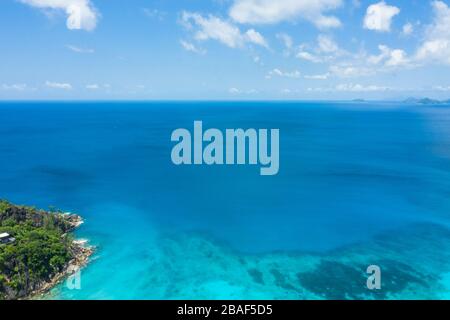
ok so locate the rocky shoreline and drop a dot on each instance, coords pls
(81, 254)
(41, 250)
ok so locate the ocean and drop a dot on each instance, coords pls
(359, 184)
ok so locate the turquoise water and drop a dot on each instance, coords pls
(359, 184)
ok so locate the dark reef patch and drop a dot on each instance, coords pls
(282, 281)
(256, 275)
(335, 280)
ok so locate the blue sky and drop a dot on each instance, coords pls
(224, 49)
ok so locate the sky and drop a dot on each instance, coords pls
(224, 49)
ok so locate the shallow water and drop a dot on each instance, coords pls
(348, 173)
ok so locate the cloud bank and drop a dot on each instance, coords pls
(271, 12)
(215, 28)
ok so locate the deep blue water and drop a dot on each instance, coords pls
(348, 171)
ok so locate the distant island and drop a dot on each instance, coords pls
(37, 250)
(427, 101)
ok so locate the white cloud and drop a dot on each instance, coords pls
(79, 50)
(379, 16)
(255, 37)
(189, 46)
(350, 87)
(397, 58)
(360, 88)
(287, 42)
(58, 85)
(326, 44)
(212, 27)
(325, 50)
(361, 64)
(436, 45)
(324, 76)
(442, 88)
(348, 71)
(436, 49)
(236, 91)
(81, 14)
(270, 11)
(305, 55)
(95, 86)
(154, 13)
(346, 64)
(286, 39)
(14, 87)
(279, 73)
(407, 29)
(390, 57)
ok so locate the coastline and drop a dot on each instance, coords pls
(81, 254)
(38, 250)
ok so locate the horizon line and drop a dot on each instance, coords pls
(360, 100)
